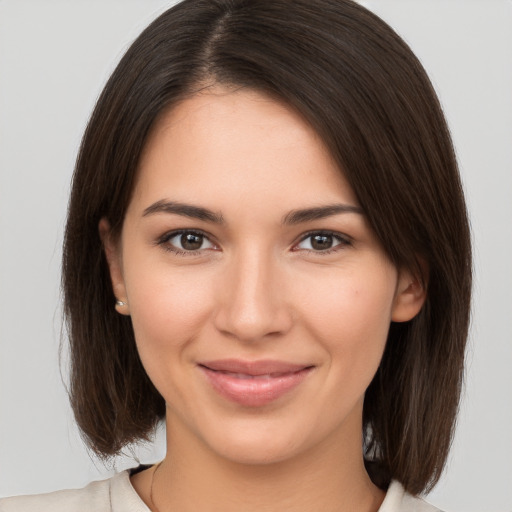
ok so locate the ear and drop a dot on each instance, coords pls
(114, 260)
(410, 295)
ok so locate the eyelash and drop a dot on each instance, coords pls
(344, 241)
(163, 241)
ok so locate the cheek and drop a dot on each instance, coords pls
(168, 306)
(351, 320)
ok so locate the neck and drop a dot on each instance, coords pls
(330, 477)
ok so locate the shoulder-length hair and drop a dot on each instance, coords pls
(364, 92)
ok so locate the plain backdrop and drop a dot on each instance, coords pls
(55, 55)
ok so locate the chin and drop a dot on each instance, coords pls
(260, 444)
(257, 454)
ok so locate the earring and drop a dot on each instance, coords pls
(121, 303)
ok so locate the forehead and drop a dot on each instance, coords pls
(225, 144)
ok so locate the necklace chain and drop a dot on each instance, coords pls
(153, 506)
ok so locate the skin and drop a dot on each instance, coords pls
(256, 289)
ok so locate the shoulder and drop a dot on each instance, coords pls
(111, 495)
(397, 500)
(93, 497)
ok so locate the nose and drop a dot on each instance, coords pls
(251, 301)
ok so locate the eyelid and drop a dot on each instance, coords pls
(169, 235)
(344, 240)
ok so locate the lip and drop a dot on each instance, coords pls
(253, 383)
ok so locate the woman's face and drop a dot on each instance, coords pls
(259, 295)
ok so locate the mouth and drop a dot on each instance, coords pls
(254, 383)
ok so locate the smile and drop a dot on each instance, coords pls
(253, 384)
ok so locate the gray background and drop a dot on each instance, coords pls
(54, 58)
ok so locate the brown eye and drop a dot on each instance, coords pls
(191, 241)
(323, 242)
(186, 241)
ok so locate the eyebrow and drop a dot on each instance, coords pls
(187, 210)
(291, 218)
(319, 212)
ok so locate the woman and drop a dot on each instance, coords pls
(267, 246)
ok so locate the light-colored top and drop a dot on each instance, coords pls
(118, 495)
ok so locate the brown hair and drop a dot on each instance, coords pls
(365, 93)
